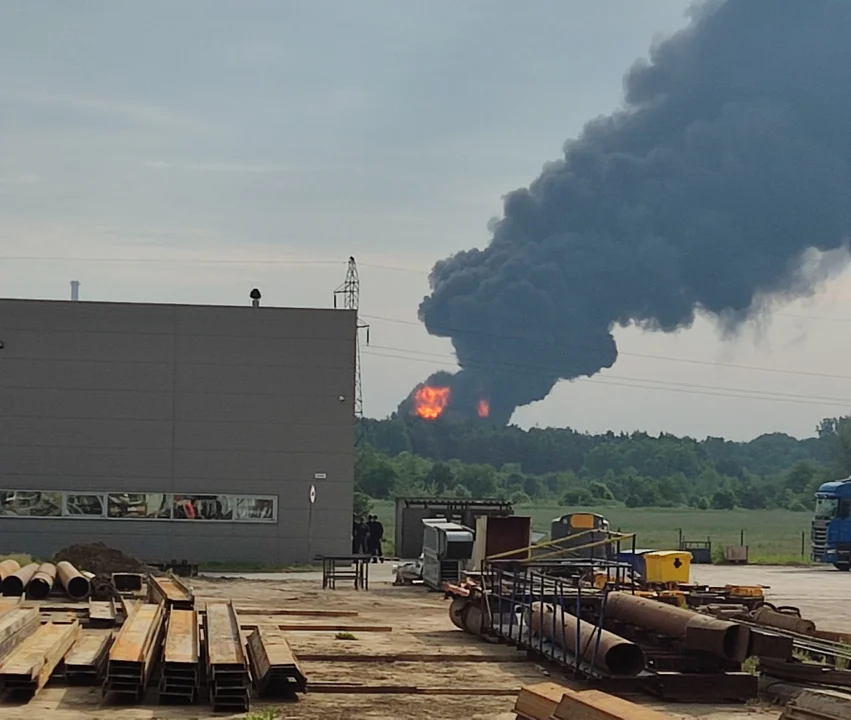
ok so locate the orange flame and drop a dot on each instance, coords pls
(484, 408)
(430, 402)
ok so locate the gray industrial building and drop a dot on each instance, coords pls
(176, 431)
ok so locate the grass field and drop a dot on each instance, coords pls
(773, 536)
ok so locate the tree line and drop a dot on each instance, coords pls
(408, 456)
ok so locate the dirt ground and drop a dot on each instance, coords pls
(446, 657)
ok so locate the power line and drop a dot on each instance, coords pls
(646, 356)
(659, 385)
(171, 261)
(546, 372)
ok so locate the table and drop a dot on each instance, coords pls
(354, 568)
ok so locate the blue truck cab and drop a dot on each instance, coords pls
(830, 537)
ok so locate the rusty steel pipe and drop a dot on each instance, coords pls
(8, 567)
(41, 584)
(785, 621)
(700, 632)
(613, 654)
(74, 582)
(15, 583)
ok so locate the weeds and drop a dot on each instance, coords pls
(345, 636)
(264, 714)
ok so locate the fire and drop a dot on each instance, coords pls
(484, 408)
(430, 402)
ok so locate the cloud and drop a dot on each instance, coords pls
(217, 167)
(28, 178)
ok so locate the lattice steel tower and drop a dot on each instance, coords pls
(349, 292)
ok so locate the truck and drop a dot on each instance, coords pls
(830, 534)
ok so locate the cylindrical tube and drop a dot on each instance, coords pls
(606, 650)
(15, 583)
(700, 632)
(41, 584)
(785, 621)
(74, 582)
(8, 567)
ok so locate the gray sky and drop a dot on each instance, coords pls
(280, 137)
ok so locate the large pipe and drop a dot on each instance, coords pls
(785, 621)
(700, 632)
(41, 584)
(74, 582)
(8, 567)
(608, 652)
(15, 583)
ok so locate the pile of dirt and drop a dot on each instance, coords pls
(99, 559)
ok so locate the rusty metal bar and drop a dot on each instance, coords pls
(784, 621)
(75, 584)
(614, 655)
(134, 654)
(171, 591)
(102, 613)
(29, 666)
(86, 661)
(699, 632)
(181, 671)
(41, 583)
(227, 668)
(274, 666)
(596, 704)
(15, 583)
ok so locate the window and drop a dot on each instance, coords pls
(139, 506)
(203, 507)
(27, 503)
(826, 507)
(84, 505)
(255, 508)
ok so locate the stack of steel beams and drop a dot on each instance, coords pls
(29, 666)
(134, 653)
(181, 670)
(86, 661)
(172, 592)
(274, 666)
(227, 668)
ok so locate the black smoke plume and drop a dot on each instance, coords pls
(727, 166)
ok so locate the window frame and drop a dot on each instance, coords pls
(104, 495)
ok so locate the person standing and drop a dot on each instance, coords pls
(376, 535)
(362, 538)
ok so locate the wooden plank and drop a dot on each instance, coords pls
(324, 627)
(17, 625)
(296, 612)
(444, 657)
(358, 689)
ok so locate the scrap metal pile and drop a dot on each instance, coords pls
(147, 639)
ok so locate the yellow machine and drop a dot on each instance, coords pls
(667, 567)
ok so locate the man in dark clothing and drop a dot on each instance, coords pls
(361, 538)
(376, 535)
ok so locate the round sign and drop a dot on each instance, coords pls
(312, 494)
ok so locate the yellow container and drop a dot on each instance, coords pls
(667, 566)
(744, 590)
